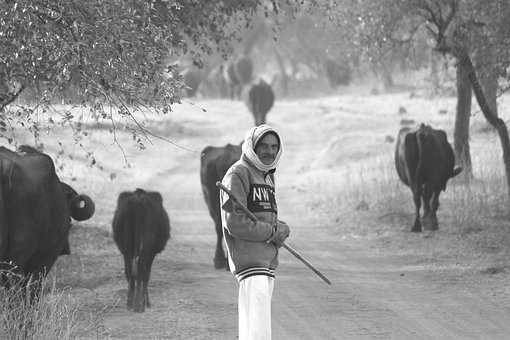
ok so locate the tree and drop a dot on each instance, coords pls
(464, 29)
(111, 52)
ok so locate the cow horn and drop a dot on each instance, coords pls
(82, 207)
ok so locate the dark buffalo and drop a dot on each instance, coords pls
(337, 73)
(35, 214)
(214, 84)
(425, 162)
(214, 163)
(141, 229)
(239, 73)
(260, 101)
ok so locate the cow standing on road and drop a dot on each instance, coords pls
(260, 101)
(141, 229)
(214, 163)
(35, 214)
(425, 162)
(238, 73)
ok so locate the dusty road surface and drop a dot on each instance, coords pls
(375, 294)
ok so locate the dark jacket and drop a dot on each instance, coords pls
(248, 252)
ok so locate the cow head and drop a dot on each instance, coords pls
(81, 207)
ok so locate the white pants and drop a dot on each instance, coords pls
(254, 306)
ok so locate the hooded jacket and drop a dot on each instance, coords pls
(252, 182)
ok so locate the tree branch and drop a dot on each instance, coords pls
(4, 101)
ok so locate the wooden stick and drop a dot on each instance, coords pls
(286, 246)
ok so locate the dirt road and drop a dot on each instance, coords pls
(374, 294)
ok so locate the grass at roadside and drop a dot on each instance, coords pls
(366, 200)
(58, 314)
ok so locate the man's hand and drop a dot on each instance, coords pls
(281, 233)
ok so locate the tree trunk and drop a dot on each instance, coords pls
(434, 73)
(489, 82)
(283, 73)
(484, 62)
(461, 132)
(387, 78)
(491, 116)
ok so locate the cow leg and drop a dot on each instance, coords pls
(127, 267)
(139, 298)
(220, 260)
(35, 272)
(417, 204)
(147, 277)
(31, 282)
(435, 205)
(128, 262)
(131, 293)
(427, 195)
(34, 285)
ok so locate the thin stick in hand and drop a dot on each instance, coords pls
(289, 248)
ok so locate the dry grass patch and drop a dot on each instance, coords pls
(365, 199)
(57, 314)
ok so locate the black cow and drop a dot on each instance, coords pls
(35, 214)
(260, 101)
(214, 84)
(214, 163)
(141, 229)
(239, 73)
(425, 162)
(336, 73)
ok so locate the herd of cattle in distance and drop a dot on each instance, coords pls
(232, 78)
(36, 208)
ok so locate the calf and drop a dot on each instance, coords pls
(141, 229)
(425, 162)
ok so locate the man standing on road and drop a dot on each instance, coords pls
(252, 246)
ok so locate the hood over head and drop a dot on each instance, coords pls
(253, 136)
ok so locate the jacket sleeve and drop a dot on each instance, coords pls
(238, 224)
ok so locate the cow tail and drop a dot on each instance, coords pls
(133, 234)
(137, 241)
(3, 220)
(420, 157)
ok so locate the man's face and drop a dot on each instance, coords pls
(267, 148)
